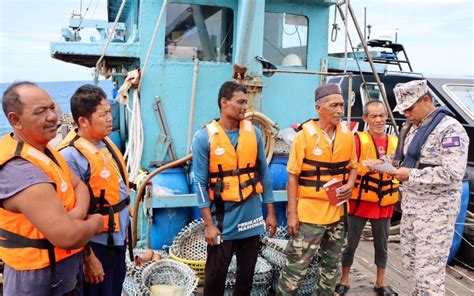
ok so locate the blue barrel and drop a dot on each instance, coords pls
(195, 211)
(168, 222)
(460, 220)
(278, 172)
(115, 138)
(279, 176)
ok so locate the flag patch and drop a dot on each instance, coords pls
(449, 142)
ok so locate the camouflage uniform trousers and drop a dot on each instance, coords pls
(425, 241)
(300, 251)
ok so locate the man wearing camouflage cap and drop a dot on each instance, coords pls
(431, 157)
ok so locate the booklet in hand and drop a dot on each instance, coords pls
(332, 188)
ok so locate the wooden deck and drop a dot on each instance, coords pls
(459, 281)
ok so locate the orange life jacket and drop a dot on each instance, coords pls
(380, 188)
(323, 161)
(233, 174)
(104, 179)
(22, 245)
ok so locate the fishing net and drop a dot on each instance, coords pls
(190, 247)
(274, 252)
(167, 272)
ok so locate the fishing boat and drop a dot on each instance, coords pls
(170, 57)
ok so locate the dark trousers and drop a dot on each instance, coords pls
(217, 264)
(114, 277)
(380, 231)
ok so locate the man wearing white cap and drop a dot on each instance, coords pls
(431, 157)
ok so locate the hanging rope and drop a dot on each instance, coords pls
(106, 46)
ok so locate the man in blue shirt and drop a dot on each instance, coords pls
(98, 162)
(231, 171)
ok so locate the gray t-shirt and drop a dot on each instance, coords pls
(15, 176)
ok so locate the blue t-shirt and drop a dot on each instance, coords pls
(80, 165)
(245, 220)
(15, 176)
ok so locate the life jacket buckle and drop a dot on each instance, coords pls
(56, 283)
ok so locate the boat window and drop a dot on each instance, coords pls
(370, 91)
(462, 95)
(201, 31)
(285, 39)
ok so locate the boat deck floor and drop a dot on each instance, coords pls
(459, 281)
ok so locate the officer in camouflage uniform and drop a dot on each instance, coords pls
(321, 151)
(432, 157)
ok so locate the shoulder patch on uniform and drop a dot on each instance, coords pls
(449, 142)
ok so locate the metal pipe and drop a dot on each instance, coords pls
(346, 35)
(365, 23)
(111, 34)
(203, 33)
(308, 72)
(192, 104)
(244, 31)
(372, 65)
(349, 101)
(164, 127)
(355, 58)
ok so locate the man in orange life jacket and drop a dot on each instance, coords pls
(321, 151)
(231, 172)
(99, 163)
(43, 205)
(372, 198)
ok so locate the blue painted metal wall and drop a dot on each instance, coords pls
(287, 98)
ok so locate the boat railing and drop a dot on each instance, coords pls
(104, 28)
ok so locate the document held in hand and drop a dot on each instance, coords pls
(384, 168)
(332, 188)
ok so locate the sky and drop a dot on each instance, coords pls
(437, 34)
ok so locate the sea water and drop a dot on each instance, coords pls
(60, 91)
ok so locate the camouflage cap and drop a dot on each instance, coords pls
(408, 93)
(326, 90)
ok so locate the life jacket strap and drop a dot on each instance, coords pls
(13, 240)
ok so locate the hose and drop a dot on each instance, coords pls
(269, 130)
(141, 190)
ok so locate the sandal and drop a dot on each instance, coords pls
(341, 289)
(385, 291)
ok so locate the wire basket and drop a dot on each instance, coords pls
(132, 279)
(274, 252)
(167, 272)
(190, 247)
(262, 277)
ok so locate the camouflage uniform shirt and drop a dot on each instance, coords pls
(437, 189)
